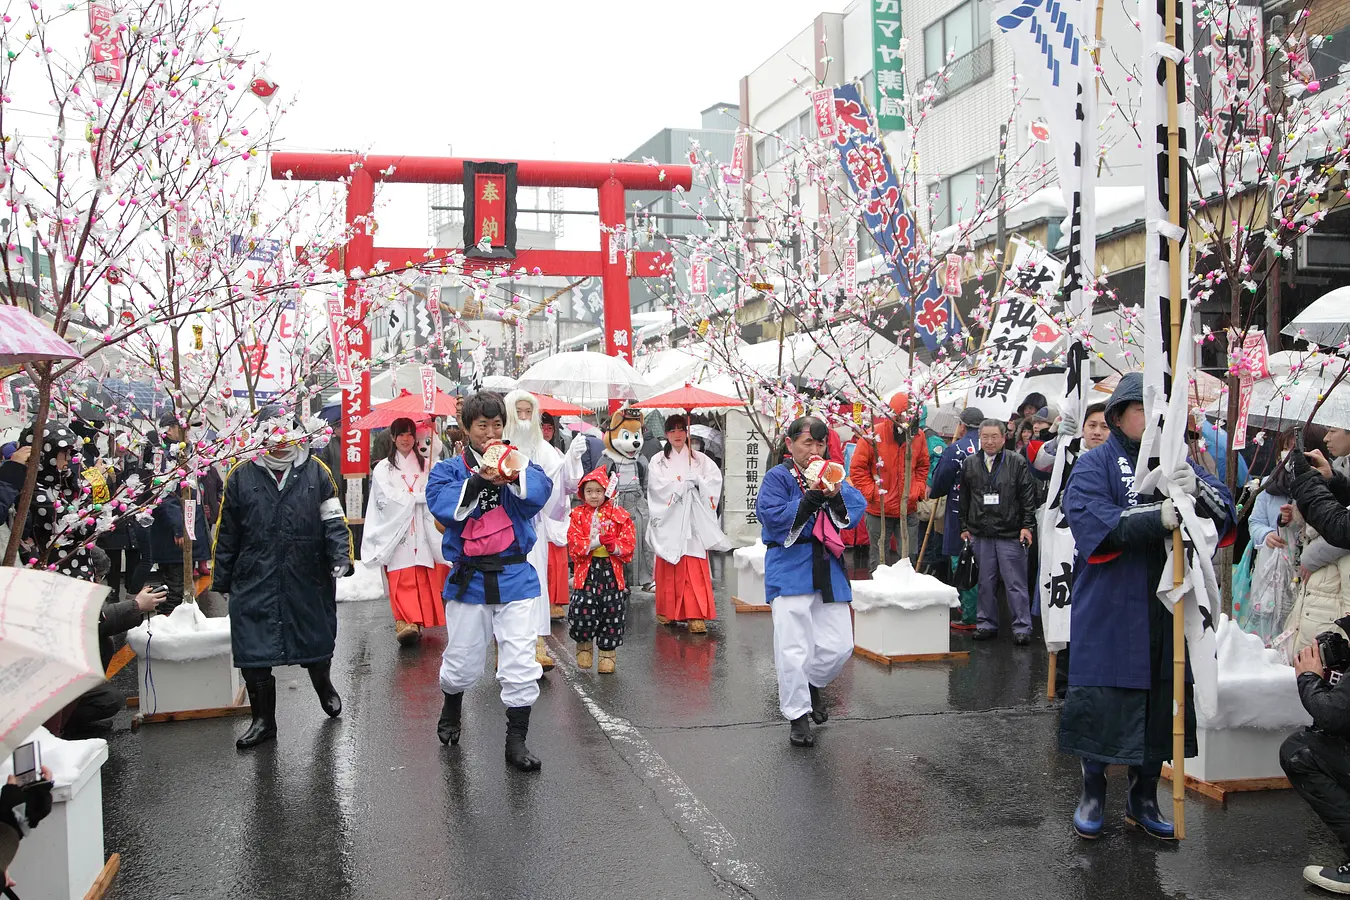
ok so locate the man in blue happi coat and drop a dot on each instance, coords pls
(805, 581)
(1118, 707)
(489, 529)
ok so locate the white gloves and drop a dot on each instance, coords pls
(1068, 421)
(1184, 478)
(1170, 520)
(577, 449)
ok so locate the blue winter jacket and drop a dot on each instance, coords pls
(788, 563)
(522, 500)
(947, 483)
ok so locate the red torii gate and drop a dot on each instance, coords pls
(609, 180)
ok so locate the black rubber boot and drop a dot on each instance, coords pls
(323, 686)
(801, 735)
(447, 729)
(262, 696)
(1088, 817)
(820, 713)
(1141, 804)
(517, 727)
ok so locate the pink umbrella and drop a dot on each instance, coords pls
(25, 338)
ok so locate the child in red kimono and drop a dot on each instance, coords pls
(600, 540)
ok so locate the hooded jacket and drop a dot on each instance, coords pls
(864, 472)
(618, 538)
(1122, 553)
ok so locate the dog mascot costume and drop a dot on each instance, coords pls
(620, 454)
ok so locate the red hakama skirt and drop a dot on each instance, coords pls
(415, 594)
(559, 586)
(684, 590)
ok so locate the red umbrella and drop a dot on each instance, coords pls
(688, 398)
(409, 406)
(556, 407)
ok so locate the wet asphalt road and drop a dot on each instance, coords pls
(671, 779)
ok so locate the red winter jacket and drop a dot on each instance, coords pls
(863, 473)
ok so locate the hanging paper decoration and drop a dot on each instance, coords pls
(850, 279)
(197, 336)
(428, 389)
(263, 87)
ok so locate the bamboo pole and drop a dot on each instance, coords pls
(923, 548)
(1175, 217)
(1053, 671)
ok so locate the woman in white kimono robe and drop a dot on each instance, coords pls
(523, 432)
(683, 490)
(400, 534)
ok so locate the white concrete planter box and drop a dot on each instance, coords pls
(1237, 754)
(895, 631)
(750, 586)
(63, 856)
(168, 686)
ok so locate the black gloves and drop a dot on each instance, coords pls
(36, 799)
(477, 485)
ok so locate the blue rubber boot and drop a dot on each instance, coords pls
(1091, 811)
(1141, 804)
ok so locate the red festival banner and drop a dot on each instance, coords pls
(109, 62)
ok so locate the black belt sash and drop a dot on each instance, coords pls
(820, 567)
(491, 566)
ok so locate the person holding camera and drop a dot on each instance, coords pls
(22, 807)
(1317, 759)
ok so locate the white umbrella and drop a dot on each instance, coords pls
(1325, 322)
(1284, 401)
(500, 383)
(48, 648)
(585, 377)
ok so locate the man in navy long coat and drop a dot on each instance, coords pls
(281, 543)
(1118, 708)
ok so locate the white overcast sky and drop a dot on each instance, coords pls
(529, 79)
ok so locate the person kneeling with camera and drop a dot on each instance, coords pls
(1317, 759)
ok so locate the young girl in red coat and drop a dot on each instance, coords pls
(600, 540)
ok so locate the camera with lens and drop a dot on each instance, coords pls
(1335, 650)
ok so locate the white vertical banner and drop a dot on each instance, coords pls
(1051, 46)
(1163, 449)
(428, 389)
(747, 458)
(850, 273)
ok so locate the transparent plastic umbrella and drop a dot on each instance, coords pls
(585, 377)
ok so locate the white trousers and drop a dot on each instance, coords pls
(811, 642)
(538, 558)
(470, 627)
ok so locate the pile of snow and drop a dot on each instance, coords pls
(751, 557)
(1256, 688)
(900, 586)
(365, 583)
(66, 759)
(184, 634)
